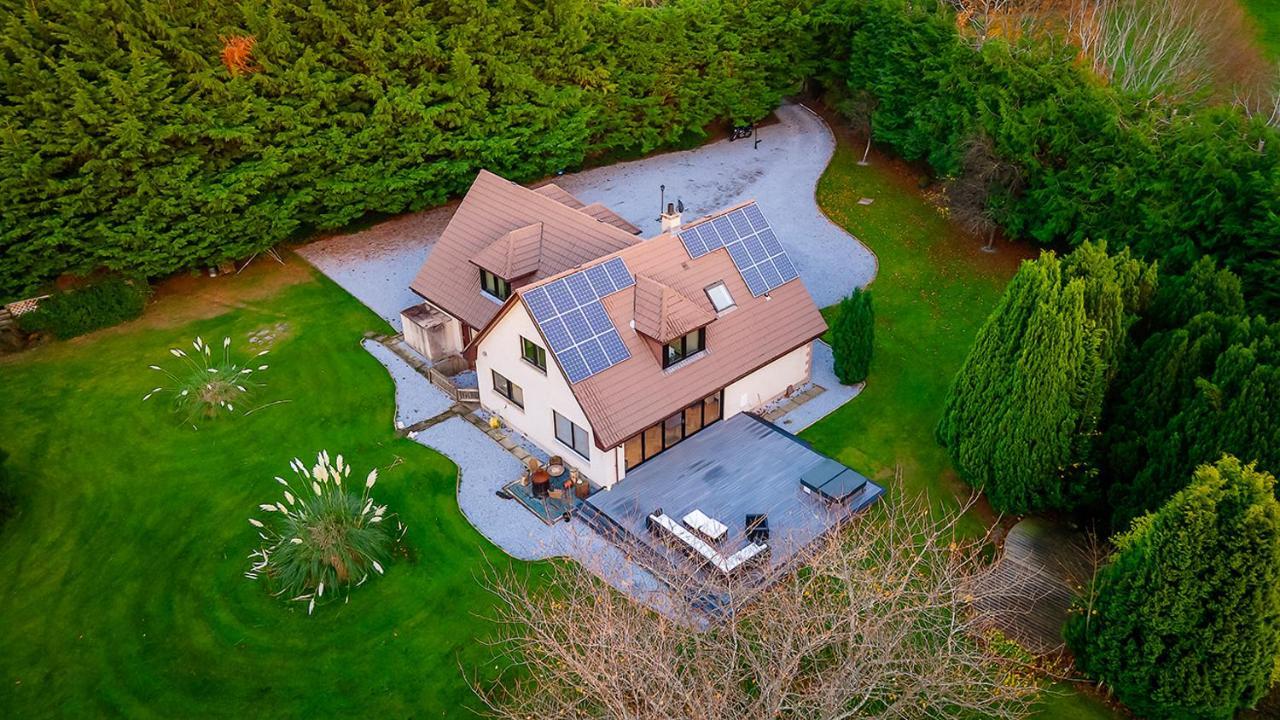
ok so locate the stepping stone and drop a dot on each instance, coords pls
(866, 201)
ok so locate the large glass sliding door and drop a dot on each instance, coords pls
(673, 430)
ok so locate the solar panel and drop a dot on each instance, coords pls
(574, 321)
(754, 248)
(539, 304)
(619, 274)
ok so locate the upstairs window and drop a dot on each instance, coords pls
(684, 347)
(533, 353)
(494, 285)
(720, 298)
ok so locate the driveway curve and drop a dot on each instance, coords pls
(780, 174)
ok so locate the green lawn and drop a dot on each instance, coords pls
(123, 592)
(1267, 14)
(933, 291)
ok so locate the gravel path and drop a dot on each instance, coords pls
(416, 398)
(377, 264)
(824, 374)
(485, 467)
(781, 176)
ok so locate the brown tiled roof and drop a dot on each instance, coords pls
(604, 214)
(663, 313)
(492, 208)
(516, 254)
(560, 195)
(635, 393)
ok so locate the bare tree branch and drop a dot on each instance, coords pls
(878, 620)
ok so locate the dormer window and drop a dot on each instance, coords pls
(495, 286)
(720, 298)
(683, 347)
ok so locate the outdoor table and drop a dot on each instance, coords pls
(707, 527)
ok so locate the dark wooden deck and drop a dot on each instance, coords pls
(1031, 586)
(736, 467)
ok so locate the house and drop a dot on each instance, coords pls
(604, 348)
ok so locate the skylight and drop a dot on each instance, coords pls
(720, 297)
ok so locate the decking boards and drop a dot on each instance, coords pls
(736, 467)
(1032, 585)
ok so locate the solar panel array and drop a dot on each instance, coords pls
(574, 321)
(754, 248)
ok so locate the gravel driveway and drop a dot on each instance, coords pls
(377, 264)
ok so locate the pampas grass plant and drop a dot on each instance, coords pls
(208, 385)
(324, 537)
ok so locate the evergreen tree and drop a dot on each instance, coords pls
(853, 337)
(1022, 414)
(1204, 381)
(1184, 621)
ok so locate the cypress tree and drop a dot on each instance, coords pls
(1184, 622)
(1022, 414)
(853, 337)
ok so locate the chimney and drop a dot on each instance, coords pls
(670, 218)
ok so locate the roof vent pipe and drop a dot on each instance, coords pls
(670, 218)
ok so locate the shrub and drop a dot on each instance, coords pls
(1184, 622)
(853, 337)
(208, 385)
(95, 306)
(326, 537)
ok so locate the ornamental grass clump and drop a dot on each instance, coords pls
(208, 385)
(324, 537)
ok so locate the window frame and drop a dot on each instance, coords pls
(659, 429)
(683, 354)
(540, 353)
(720, 310)
(501, 288)
(572, 443)
(512, 390)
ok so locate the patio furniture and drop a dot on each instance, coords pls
(541, 483)
(832, 482)
(708, 527)
(699, 547)
(556, 493)
(757, 528)
(555, 466)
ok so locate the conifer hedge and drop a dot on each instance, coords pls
(126, 142)
(1174, 183)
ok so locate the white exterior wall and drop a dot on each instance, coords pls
(769, 382)
(500, 350)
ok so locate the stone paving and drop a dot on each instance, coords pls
(416, 398)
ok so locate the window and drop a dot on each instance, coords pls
(684, 347)
(508, 389)
(671, 431)
(533, 353)
(720, 298)
(494, 285)
(572, 435)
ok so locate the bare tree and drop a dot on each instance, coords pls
(1261, 100)
(877, 620)
(1151, 47)
(860, 110)
(984, 176)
